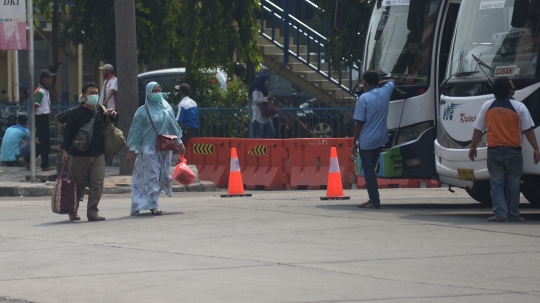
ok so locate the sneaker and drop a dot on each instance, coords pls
(48, 168)
(96, 217)
(24, 163)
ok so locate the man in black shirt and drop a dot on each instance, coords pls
(91, 162)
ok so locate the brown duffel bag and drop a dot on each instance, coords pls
(64, 197)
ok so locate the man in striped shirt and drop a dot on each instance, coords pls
(506, 121)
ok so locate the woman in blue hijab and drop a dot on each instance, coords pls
(261, 95)
(151, 173)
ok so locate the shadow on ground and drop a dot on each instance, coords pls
(457, 214)
(145, 215)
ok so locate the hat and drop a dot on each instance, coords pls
(107, 67)
(46, 73)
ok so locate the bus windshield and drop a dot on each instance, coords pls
(483, 29)
(393, 50)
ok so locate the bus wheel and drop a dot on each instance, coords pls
(480, 192)
(531, 189)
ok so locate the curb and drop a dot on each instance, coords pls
(42, 190)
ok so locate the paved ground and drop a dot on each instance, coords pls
(426, 245)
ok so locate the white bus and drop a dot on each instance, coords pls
(409, 41)
(492, 39)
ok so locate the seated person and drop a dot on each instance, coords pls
(13, 148)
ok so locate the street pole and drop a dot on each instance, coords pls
(126, 61)
(30, 12)
(15, 76)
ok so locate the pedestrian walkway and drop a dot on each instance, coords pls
(14, 181)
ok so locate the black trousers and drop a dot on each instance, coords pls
(43, 133)
(188, 133)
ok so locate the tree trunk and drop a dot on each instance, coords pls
(126, 51)
(250, 76)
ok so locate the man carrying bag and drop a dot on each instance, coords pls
(89, 163)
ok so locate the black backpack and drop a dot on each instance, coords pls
(83, 138)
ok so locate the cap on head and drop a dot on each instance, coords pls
(46, 73)
(184, 88)
(107, 67)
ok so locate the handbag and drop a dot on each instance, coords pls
(83, 138)
(164, 142)
(268, 109)
(64, 197)
(182, 173)
(114, 138)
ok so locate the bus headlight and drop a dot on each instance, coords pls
(412, 132)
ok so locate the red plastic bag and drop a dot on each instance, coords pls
(182, 174)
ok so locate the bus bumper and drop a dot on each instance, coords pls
(448, 161)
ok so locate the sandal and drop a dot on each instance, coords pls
(371, 206)
(156, 212)
(74, 217)
(517, 219)
(363, 205)
(496, 219)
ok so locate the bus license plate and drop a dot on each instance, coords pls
(466, 174)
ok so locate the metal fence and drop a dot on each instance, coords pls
(9, 112)
(230, 122)
(289, 122)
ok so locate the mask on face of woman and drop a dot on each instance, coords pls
(155, 97)
(92, 100)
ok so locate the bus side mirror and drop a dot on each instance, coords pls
(341, 12)
(415, 19)
(521, 11)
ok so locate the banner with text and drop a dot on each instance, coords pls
(13, 24)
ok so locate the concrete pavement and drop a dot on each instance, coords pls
(425, 245)
(14, 182)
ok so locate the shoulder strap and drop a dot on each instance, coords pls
(149, 117)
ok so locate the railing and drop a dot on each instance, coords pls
(289, 123)
(9, 112)
(304, 36)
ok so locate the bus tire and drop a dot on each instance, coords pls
(480, 192)
(531, 189)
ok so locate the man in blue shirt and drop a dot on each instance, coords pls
(12, 150)
(371, 131)
(188, 113)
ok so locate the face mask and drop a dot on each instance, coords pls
(92, 100)
(155, 97)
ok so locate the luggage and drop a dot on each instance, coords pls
(114, 138)
(64, 197)
(182, 173)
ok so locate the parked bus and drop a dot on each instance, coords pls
(409, 41)
(493, 39)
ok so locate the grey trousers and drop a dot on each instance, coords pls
(82, 168)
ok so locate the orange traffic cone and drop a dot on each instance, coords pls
(236, 186)
(334, 188)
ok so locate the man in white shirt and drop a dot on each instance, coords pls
(109, 96)
(42, 102)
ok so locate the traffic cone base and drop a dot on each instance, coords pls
(237, 195)
(236, 186)
(336, 198)
(334, 188)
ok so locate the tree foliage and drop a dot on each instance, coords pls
(191, 33)
(345, 48)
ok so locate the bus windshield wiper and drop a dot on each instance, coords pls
(457, 75)
(483, 64)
